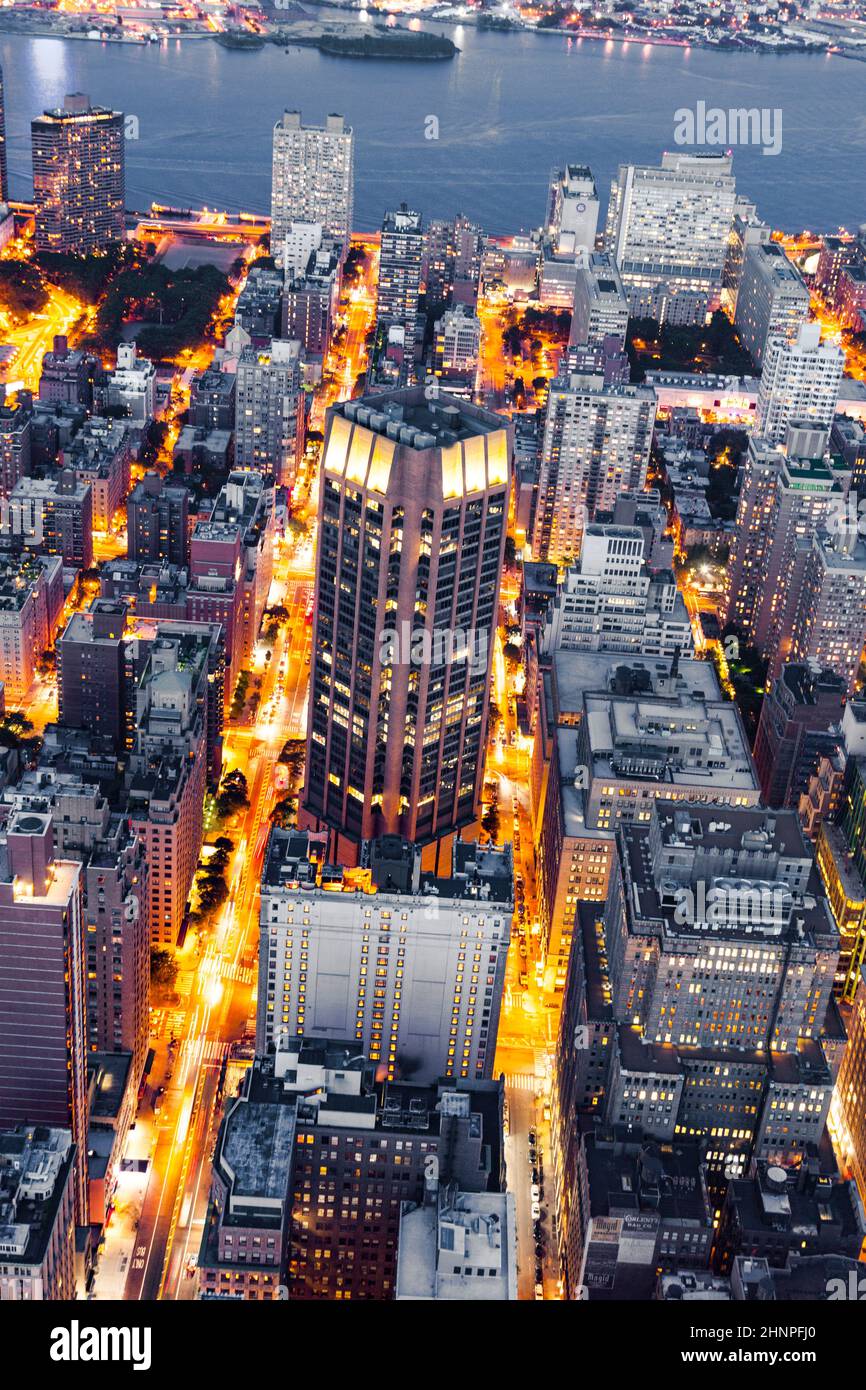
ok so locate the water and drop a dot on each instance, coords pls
(509, 107)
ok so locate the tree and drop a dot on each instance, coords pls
(285, 812)
(163, 968)
(233, 794)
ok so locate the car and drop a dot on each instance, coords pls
(536, 1212)
(536, 1174)
(533, 1134)
(524, 980)
(539, 1292)
(539, 1272)
(523, 952)
(539, 1249)
(536, 1191)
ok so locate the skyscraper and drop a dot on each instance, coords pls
(78, 177)
(313, 178)
(572, 209)
(799, 382)
(400, 260)
(772, 300)
(596, 444)
(412, 520)
(600, 305)
(269, 410)
(668, 230)
(4, 165)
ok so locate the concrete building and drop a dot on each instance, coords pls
(100, 455)
(412, 518)
(312, 265)
(611, 601)
(235, 545)
(212, 399)
(773, 300)
(313, 178)
(78, 177)
(67, 376)
(453, 255)
(53, 516)
(15, 443)
(132, 385)
(572, 209)
(258, 307)
(668, 231)
(800, 709)
(43, 1037)
(31, 602)
(37, 1214)
(851, 298)
(830, 626)
(410, 964)
(774, 1214)
(799, 382)
(600, 303)
(314, 1163)
(168, 769)
(157, 521)
(92, 672)
(836, 253)
(269, 413)
(747, 230)
(459, 1247)
(456, 350)
(596, 444)
(401, 256)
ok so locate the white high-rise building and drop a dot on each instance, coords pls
(799, 382)
(830, 628)
(611, 602)
(313, 178)
(299, 243)
(772, 301)
(596, 445)
(600, 303)
(668, 231)
(572, 209)
(456, 342)
(409, 965)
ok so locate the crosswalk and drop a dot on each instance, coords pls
(523, 1082)
(214, 1051)
(241, 974)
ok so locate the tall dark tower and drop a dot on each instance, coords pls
(4, 166)
(412, 520)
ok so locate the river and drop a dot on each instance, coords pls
(509, 107)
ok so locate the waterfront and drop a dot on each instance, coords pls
(508, 106)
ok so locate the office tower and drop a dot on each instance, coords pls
(799, 382)
(91, 672)
(773, 300)
(456, 350)
(400, 258)
(829, 629)
(313, 178)
(37, 1198)
(344, 1154)
(572, 209)
(747, 230)
(4, 164)
(235, 544)
(131, 387)
(157, 521)
(411, 964)
(43, 1043)
(453, 254)
(169, 766)
(53, 516)
(78, 177)
(800, 708)
(596, 444)
(67, 377)
(600, 304)
(668, 231)
(15, 444)
(100, 456)
(269, 411)
(212, 400)
(412, 521)
(611, 601)
(31, 602)
(458, 1245)
(704, 921)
